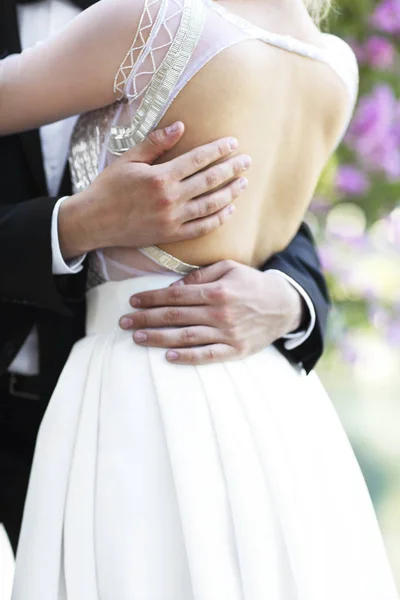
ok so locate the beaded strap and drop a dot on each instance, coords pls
(167, 260)
(156, 94)
(280, 40)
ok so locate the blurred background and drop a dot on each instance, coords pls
(356, 219)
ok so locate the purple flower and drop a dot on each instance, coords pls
(386, 16)
(374, 131)
(396, 124)
(351, 181)
(379, 52)
(374, 116)
(320, 206)
(387, 157)
(357, 48)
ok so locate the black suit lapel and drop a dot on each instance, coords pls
(30, 141)
(65, 185)
(9, 44)
(9, 36)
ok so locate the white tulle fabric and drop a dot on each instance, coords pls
(229, 482)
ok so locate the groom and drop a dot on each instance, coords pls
(42, 270)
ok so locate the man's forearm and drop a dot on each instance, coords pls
(26, 257)
(295, 310)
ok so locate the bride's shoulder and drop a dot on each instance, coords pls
(117, 13)
(108, 28)
(122, 19)
(343, 60)
(111, 19)
(341, 50)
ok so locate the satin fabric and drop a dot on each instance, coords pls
(156, 481)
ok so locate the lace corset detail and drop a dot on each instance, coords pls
(173, 41)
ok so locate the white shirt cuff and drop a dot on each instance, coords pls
(60, 267)
(294, 340)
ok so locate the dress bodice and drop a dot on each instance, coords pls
(173, 41)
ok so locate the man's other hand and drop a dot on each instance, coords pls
(222, 312)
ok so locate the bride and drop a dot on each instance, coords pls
(154, 481)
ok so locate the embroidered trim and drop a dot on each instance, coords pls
(135, 52)
(163, 82)
(160, 28)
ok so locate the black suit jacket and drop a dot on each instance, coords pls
(30, 294)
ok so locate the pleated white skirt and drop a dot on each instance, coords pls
(154, 481)
(6, 565)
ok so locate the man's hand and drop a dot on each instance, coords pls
(134, 203)
(218, 313)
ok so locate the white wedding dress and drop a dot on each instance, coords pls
(153, 481)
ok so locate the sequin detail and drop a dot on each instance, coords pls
(87, 145)
(94, 277)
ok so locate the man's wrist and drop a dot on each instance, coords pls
(60, 266)
(295, 309)
(297, 337)
(75, 227)
(286, 302)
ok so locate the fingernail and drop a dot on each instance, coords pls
(171, 355)
(140, 336)
(231, 209)
(243, 183)
(125, 323)
(233, 144)
(246, 162)
(172, 128)
(135, 302)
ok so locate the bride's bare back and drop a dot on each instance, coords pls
(287, 96)
(288, 113)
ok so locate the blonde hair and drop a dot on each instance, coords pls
(318, 9)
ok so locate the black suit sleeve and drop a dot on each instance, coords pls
(26, 257)
(300, 262)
